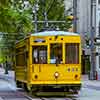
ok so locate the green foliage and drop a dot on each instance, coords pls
(4, 3)
(16, 19)
(13, 21)
(54, 9)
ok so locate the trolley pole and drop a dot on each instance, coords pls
(92, 36)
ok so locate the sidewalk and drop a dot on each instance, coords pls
(91, 83)
(9, 77)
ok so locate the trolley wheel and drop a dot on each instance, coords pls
(27, 87)
(18, 84)
(35, 88)
(76, 89)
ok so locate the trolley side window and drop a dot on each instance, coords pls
(20, 59)
(56, 53)
(39, 55)
(72, 53)
(20, 56)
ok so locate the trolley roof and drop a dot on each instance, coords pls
(54, 33)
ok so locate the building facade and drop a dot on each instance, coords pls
(84, 27)
(83, 19)
(68, 4)
(83, 14)
(81, 10)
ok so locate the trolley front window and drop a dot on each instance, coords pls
(56, 53)
(72, 53)
(39, 54)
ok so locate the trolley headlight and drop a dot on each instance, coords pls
(56, 74)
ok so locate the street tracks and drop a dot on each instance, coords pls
(21, 95)
(14, 95)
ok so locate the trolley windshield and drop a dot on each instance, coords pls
(39, 54)
(56, 53)
(72, 53)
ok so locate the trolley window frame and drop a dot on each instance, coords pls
(76, 47)
(38, 53)
(56, 59)
(21, 53)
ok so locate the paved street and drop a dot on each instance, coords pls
(89, 94)
(90, 89)
(5, 86)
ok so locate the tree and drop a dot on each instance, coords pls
(12, 20)
(54, 9)
(16, 18)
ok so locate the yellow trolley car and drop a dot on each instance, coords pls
(49, 59)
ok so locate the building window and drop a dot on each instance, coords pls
(98, 1)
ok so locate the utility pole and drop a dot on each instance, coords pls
(45, 14)
(45, 21)
(35, 9)
(92, 36)
(75, 15)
